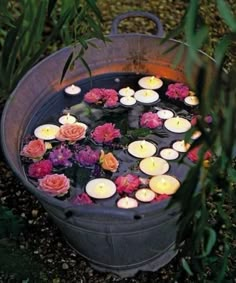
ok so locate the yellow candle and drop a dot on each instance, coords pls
(164, 184)
(145, 195)
(100, 188)
(169, 154)
(150, 82)
(46, 132)
(180, 146)
(127, 202)
(128, 100)
(191, 100)
(67, 119)
(127, 91)
(142, 149)
(154, 166)
(72, 90)
(177, 125)
(146, 96)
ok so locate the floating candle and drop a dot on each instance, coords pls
(146, 96)
(126, 91)
(127, 202)
(128, 100)
(191, 93)
(181, 146)
(154, 166)
(177, 125)
(169, 154)
(150, 82)
(67, 119)
(46, 132)
(164, 184)
(196, 135)
(100, 188)
(165, 114)
(72, 90)
(142, 149)
(145, 195)
(191, 100)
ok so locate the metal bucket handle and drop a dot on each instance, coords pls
(121, 17)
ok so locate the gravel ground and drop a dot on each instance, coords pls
(44, 254)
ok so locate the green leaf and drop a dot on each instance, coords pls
(67, 65)
(139, 132)
(51, 6)
(210, 241)
(227, 14)
(94, 8)
(221, 48)
(186, 267)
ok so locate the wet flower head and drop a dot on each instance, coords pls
(150, 120)
(177, 91)
(105, 133)
(60, 156)
(87, 156)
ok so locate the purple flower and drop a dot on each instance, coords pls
(61, 156)
(87, 156)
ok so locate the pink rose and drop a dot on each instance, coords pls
(34, 149)
(55, 185)
(150, 120)
(93, 96)
(193, 154)
(177, 91)
(71, 132)
(40, 169)
(105, 133)
(127, 183)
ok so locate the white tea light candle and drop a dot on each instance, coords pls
(72, 90)
(191, 100)
(150, 82)
(196, 135)
(67, 119)
(142, 149)
(164, 184)
(128, 100)
(146, 96)
(126, 91)
(165, 114)
(127, 202)
(154, 166)
(177, 125)
(100, 188)
(180, 146)
(145, 195)
(169, 154)
(46, 132)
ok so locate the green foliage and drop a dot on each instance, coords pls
(30, 28)
(207, 194)
(10, 225)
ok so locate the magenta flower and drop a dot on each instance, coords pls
(207, 119)
(107, 97)
(82, 199)
(40, 169)
(193, 154)
(87, 156)
(177, 91)
(162, 197)
(94, 95)
(105, 133)
(150, 120)
(127, 184)
(60, 156)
